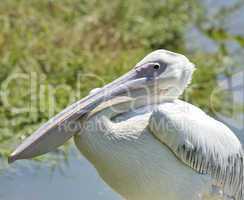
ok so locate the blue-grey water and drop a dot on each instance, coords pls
(76, 178)
(73, 180)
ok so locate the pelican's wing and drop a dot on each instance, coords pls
(202, 143)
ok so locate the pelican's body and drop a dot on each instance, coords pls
(143, 141)
(135, 163)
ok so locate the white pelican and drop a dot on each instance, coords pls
(143, 141)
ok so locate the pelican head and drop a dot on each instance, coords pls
(170, 73)
(161, 73)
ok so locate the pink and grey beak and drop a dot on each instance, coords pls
(63, 126)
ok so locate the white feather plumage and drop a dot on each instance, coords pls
(143, 162)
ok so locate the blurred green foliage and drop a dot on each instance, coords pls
(52, 52)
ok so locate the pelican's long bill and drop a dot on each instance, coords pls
(63, 126)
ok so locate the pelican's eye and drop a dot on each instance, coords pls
(156, 66)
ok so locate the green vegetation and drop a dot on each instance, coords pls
(53, 52)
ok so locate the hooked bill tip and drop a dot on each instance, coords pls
(12, 158)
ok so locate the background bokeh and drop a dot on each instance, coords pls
(53, 52)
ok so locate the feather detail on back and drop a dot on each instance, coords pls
(202, 143)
